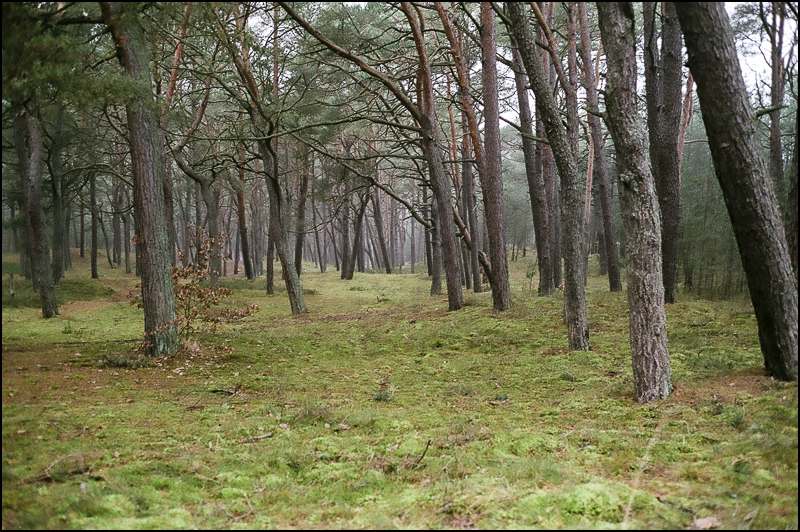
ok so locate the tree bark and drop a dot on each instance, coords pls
(436, 255)
(600, 167)
(536, 188)
(491, 178)
(663, 84)
(244, 238)
(93, 210)
(278, 234)
(29, 148)
(749, 194)
(572, 206)
(376, 209)
(300, 225)
(158, 296)
(791, 225)
(648, 322)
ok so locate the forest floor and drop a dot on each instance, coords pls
(380, 409)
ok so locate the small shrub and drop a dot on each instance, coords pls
(196, 301)
(384, 393)
(736, 418)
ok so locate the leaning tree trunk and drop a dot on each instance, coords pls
(158, 295)
(663, 94)
(572, 191)
(749, 194)
(648, 322)
(28, 144)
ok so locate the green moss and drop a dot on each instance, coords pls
(523, 432)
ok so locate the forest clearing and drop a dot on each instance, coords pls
(428, 265)
(290, 429)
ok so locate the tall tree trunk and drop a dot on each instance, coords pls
(536, 188)
(29, 147)
(321, 258)
(93, 209)
(648, 322)
(600, 167)
(376, 209)
(487, 154)
(158, 296)
(427, 212)
(468, 186)
(83, 229)
(436, 255)
(244, 238)
(791, 225)
(663, 84)
(278, 234)
(572, 207)
(775, 31)
(116, 228)
(169, 212)
(57, 181)
(358, 238)
(127, 241)
(345, 231)
(106, 241)
(300, 226)
(210, 194)
(413, 246)
(491, 179)
(749, 195)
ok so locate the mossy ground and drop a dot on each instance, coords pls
(324, 420)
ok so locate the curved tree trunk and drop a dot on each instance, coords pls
(749, 194)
